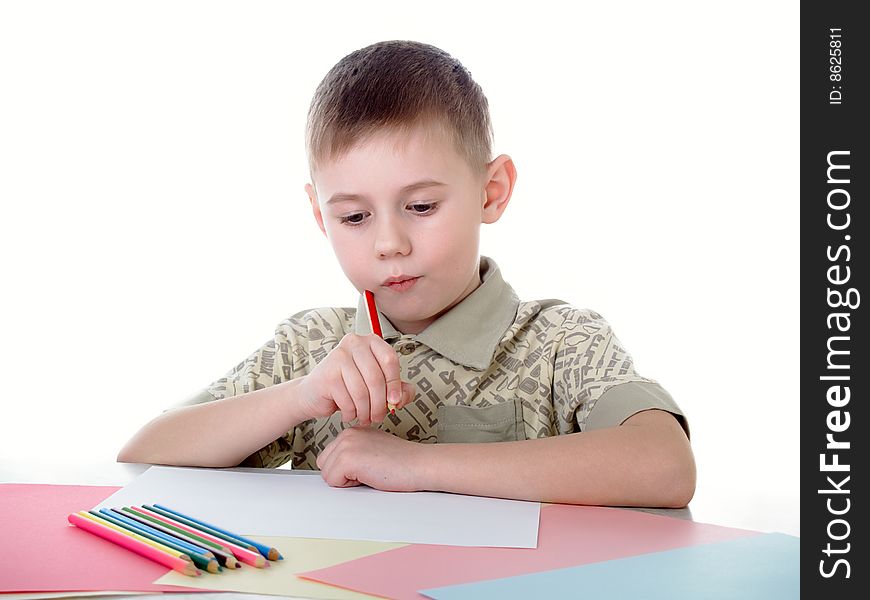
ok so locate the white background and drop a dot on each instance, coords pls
(155, 229)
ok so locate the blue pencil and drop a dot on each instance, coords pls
(130, 523)
(270, 553)
(226, 559)
(203, 562)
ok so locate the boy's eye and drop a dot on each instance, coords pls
(357, 219)
(354, 219)
(422, 208)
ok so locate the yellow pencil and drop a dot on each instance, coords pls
(136, 536)
(104, 530)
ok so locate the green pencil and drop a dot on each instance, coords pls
(266, 551)
(203, 562)
(223, 554)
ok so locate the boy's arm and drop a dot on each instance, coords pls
(221, 433)
(646, 461)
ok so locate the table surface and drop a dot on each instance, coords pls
(113, 473)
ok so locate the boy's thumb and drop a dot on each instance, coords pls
(409, 391)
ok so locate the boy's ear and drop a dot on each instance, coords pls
(498, 187)
(315, 207)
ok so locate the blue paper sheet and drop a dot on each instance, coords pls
(763, 567)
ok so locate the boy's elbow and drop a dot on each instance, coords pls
(136, 450)
(682, 477)
(127, 455)
(145, 446)
(681, 494)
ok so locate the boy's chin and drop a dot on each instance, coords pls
(408, 311)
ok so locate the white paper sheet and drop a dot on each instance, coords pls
(300, 504)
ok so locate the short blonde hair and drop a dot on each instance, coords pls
(396, 86)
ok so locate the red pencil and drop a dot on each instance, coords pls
(372, 309)
(373, 314)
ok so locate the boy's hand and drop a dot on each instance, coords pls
(358, 377)
(375, 458)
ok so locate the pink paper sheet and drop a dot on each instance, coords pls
(41, 552)
(568, 536)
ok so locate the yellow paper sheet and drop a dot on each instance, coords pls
(300, 555)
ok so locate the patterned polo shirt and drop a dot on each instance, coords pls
(491, 369)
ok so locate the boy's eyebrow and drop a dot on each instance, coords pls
(411, 187)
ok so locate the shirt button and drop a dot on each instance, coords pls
(407, 348)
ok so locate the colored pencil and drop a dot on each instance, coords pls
(253, 558)
(266, 551)
(201, 527)
(148, 529)
(91, 525)
(372, 309)
(228, 549)
(225, 559)
(139, 514)
(206, 563)
(375, 322)
(158, 545)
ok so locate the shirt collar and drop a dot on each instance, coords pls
(469, 333)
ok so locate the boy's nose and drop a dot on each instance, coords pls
(391, 239)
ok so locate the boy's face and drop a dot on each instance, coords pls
(409, 206)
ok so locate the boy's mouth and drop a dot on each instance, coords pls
(400, 283)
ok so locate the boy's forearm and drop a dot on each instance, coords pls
(645, 462)
(221, 433)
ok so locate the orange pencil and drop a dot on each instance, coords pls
(184, 567)
(372, 310)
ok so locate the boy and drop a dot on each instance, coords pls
(528, 400)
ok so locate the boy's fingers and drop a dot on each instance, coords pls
(357, 390)
(370, 368)
(344, 402)
(395, 393)
(409, 391)
(392, 373)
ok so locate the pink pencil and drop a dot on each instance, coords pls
(254, 559)
(130, 543)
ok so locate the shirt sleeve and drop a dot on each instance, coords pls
(595, 384)
(274, 362)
